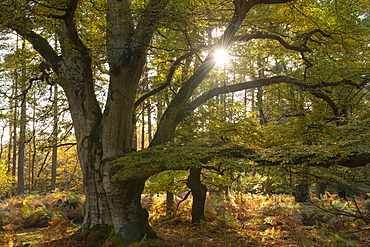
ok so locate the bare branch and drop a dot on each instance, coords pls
(169, 77)
(272, 37)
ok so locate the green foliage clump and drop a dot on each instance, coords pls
(172, 156)
(6, 181)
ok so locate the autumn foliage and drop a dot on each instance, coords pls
(233, 220)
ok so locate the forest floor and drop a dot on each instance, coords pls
(237, 220)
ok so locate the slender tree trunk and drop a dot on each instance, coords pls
(150, 137)
(143, 130)
(1, 141)
(10, 146)
(34, 152)
(22, 141)
(55, 141)
(199, 192)
(15, 125)
(170, 202)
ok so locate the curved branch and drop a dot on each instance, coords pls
(269, 81)
(327, 99)
(169, 77)
(272, 37)
(236, 87)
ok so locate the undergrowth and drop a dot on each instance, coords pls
(234, 220)
(255, 220)
(53, 215)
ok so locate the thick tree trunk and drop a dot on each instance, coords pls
(199, 192)
(100, 140)
(301, 192)
(320, 189)
(114, 203)
(130, 220)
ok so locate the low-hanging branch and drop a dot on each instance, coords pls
(156, 159)
(352, 159)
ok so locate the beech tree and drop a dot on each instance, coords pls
(131, 30)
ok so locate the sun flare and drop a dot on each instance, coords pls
(221, 56)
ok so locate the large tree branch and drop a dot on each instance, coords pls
(269, 81)
(353, 160)
(72, 32)
(182, 157)
(236, 87)
(41, 45)
(327, 99)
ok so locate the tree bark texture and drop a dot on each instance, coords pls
(199, 192)
(301, 191)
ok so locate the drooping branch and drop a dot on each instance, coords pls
(156, 159)
(354, 160)
(327, 99)
(150, 161)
